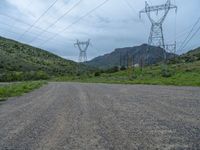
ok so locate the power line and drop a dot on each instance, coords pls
(51, 25)
(75, 22)
(193, 27)
(181, 34)
(8, 31)
(132, 9)
(178, 36)
(16, 19)
(11, 32)
(10, 26)
(193, 46)
(44, 13)
(20, 21)
(25, 23)
(16, 33)
(175, 25)
(191, 37)
(28, 5)
(130, 6)
(150, 2)
(91, 44)
(189, 34)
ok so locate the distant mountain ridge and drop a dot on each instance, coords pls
(115, 58)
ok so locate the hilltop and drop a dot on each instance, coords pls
(114, 58)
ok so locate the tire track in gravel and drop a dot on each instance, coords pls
(73, 116)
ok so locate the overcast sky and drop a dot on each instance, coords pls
(116, 24)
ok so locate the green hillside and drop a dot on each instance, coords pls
(183, 73)
(191, 56)
(23, 62)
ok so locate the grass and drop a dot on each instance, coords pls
(18, 89)
(185, 74)
(21, 62)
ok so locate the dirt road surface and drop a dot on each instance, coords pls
(73, 116)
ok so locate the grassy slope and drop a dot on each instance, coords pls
(15, 56)
(184, 71)
(17, 89)
(185, 74)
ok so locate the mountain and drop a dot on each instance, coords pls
(138, 53)
(17, 59)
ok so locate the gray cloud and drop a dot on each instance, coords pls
(114, 25)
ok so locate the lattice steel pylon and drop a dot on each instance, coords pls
(82, 46)
(156, 37)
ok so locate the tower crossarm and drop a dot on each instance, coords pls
(156, 37)
(82, 46)
(166, 7)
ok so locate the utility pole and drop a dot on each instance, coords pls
(156, 37)
(124, 61)
(133, 61)
(130, 60)
(82, 46)
(127, 60)
(142, 62)
(120, 60)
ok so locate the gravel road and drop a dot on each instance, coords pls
(73, 116)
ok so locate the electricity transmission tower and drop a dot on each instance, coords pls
(82, 46)
(156, 37)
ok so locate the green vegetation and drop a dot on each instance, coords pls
(20, 62)
(17, 89)
(183, 70)
(191, 56)
(23, 76)
(183, 74)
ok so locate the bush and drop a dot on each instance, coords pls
(123, 68)
(112, 70)
(23, 76)
(190, 59)
(41, 75)
(166, 73)
(78, 74)
(97, 74)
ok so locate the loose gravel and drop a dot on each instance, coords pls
(73, 116)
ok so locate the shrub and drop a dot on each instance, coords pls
(23, 76)
(97, 74)
(112, 70)
(123, 68)
(41, 75)
(166, 73)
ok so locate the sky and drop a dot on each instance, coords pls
(115, 24)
